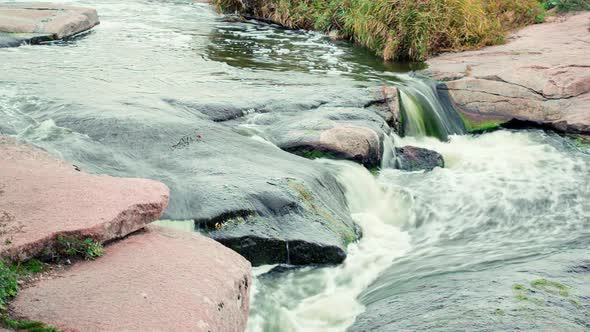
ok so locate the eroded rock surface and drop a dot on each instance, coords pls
(37, 22)
(541, 76)
(154, 280)
(42, 197)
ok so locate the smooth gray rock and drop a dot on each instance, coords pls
(247, 194)
(411, 158)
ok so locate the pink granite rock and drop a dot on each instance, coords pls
(42, 197)
(156, 280)
(45, 18)
(541, 75)
(352, 143)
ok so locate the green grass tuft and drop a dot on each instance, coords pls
(68, 246)
(8, 284)
(26, 325)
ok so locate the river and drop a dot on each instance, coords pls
(497, 240)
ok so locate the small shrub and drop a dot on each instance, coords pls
(72, 246)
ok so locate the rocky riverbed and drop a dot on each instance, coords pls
(288, 148)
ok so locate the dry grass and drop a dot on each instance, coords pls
(400, 29)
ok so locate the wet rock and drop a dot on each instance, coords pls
(39, 22)
(390, 110)
(42, 197)
(411, 158)
(342, 133)
(548, 87)
(199, 286)
(241, 190)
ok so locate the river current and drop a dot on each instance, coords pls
(499, 239)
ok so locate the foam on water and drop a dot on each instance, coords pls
(325, 299)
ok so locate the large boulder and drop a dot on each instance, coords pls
(42, 197)
(411, 158)
(154, 280)
(518, 82)
(342, 133)
(37, 22)
(261, 198)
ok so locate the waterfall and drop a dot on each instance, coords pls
(424, 112)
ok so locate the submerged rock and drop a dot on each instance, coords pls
(157, 279)
(518, 83)
(341, 133)
(38, 22)
(411, 158)
(42, 197)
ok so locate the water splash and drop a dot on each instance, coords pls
(325, 299)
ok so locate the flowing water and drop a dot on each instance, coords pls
(497, 240)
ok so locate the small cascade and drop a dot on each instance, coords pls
(388, 157)
(424, 112)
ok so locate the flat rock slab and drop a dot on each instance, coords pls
(36, 22)
(42, 197)
(542, 76)
(154, 280)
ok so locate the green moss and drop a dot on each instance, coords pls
(474, 127)
(551, 286)
(580, 141)
(499, 311)
(518, 287)
(308, 199)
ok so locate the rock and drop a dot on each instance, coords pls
(39, 22)
(389, 97)
(547, 86)
(217, 175)
(342, 133)
(411, 158)
(153, 280)
(42, 197)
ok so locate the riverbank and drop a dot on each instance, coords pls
(404, 30)
(146, 278)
